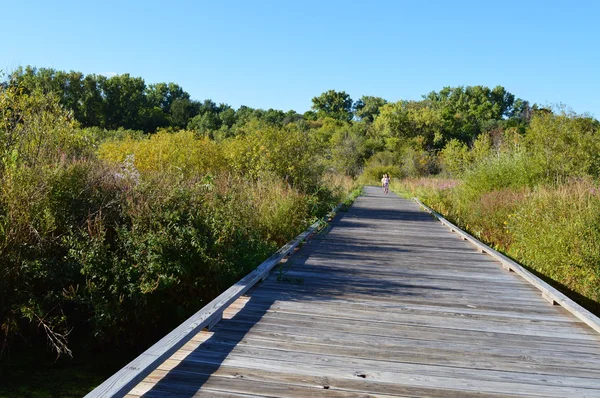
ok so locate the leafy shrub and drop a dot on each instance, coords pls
(35, 130)
(41, 209)
(180, 152)
(181, 244)
(121, 236)
(379, 164)
(415, 162)
(373, 174)
(288, 154)
(455, 157)
(505, 170)
(564, 145)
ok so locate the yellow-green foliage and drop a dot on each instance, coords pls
(430, 190)
(34, 130)
(372, 175)
(407, 119)
(328, 128)
(288, 154)
(379, 164)
(564, 145)
(455, 158)
(180, 152)
(273, 202)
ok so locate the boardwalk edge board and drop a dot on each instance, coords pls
(120, 383)
(549, 293)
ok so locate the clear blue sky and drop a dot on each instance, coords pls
(280, 54)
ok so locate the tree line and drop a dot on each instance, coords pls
(124, 101)
(408, 133)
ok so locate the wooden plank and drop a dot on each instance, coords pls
(528, 354)
(358, 386)
(410, 354)
(185, 385)
(392, 318)
(387, 329)
(314, 291)
(438, 376)
(366, 311)
(532, 312)
(418, 335)
(442, 300)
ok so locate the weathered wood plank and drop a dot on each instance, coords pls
(449, 357)
(361, 319)
(184, 385)
(404, 373)
(358, 386)
(419, 335)
(392, 312)
(423, 309)
(527, 354)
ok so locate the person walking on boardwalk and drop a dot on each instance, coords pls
(385, 183)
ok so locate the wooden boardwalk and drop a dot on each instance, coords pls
(388, 303)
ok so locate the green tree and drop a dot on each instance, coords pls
(466, 110)
(182, 110)
(455, 158)
(310, 115)
(334, 104)
(205, 123)
(367, 108)
(348, 150)
(162, 95)
(291, 116)
(92, 103)
(227, 117)
(124, 98)
(399, 122)
(274, 117)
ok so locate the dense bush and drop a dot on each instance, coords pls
(564, 145)
(381, 163)
(179, 153)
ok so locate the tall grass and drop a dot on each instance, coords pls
(556, 231)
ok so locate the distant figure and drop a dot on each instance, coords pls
(385, 183)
